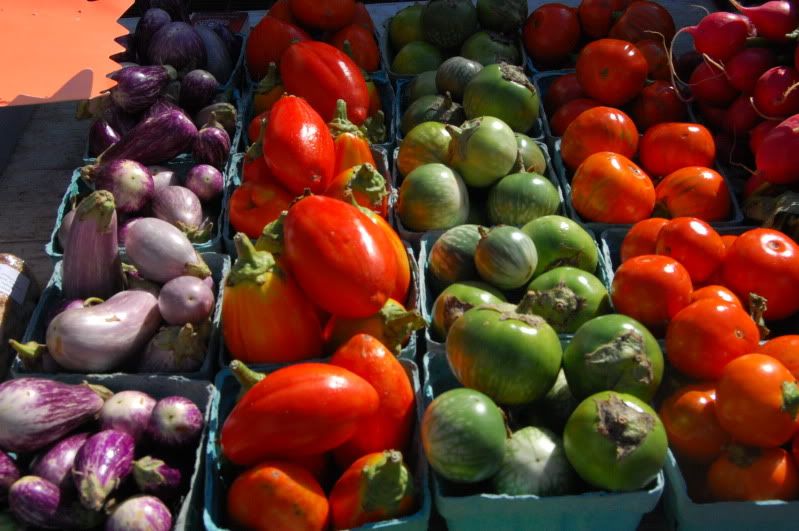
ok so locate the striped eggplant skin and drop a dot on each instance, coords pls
(9, 473)
(129, 181)
(197, 88)
(55, 465)
(154, 476)
(101, 137)
(138, 87)
(179, 206)
(205, 181)
(177, 44)
(140, 513)
(91, 265)
(34, 501)
(102, 337)
(163, 177)
(155, 139)
(127, 411)
(162, 105)
(152, 20)
(63, 230)
(212, 146)
(176, 421)
(35, 412)
(104, 460)
(161, 252)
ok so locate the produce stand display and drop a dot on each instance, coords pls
(459, 264)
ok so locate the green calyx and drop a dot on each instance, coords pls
(146, 471)
(790, 398)
(386, 483)
(341, 124)
(198, 268)
(743, 456)
(558, 305)
(399, 324)
(271, 239)
(256, 150)
(100, 390)
(251, 265)
(30, 353)
(369, 182)
(626, 427)
(199, 234)
(98, 206)
(246, 377)
(375, 128)
(187, 341)
(270, 81)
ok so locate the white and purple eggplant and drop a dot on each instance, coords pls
(185, 300)
(182, 208)
(122, 230)
(134, 281)
(91, 265)
(176, 421)
(140, 513)
(102, 337)
(154, 476)
(101, 137)
(151, 21)
(34, 501)
(223, 112)
(163, 105)
(212, 145)
(176, 349)
(161, 252)
(55, 465)
(104, 460)
(138, 87)
(9, 473)
(129, 181)
(205, 181)
(127, 411)
(63, 230)
(35, 412)
(218, 59)
(197, 88)
(163, 177)
(177, 44)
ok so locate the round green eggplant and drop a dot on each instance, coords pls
(452, 256)
(519, 198)
(422, 85)
(448, 23)
(406, 26)
(416, 57)
(483, 150)
(506, 16)
(613, 353)
(560, 242)
(532, 155)
(466, 293)
(488, 48)
(513, 358)
(426, 143)
(432, 109)
(454, 74)
(503, 91)
(615, 442)
(506, 257)
(432, 197)
(567, 297)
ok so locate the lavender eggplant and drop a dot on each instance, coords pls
(152, 20)
(135, 282)
(138, 87)
(222, 112)
(101, 136)
(9, 473)
(91, 265)
(55, 465)
(218, 59)
(163, 177)
(176, 349)
(63, 230)
(153, 476)
(176, 421)
(127, 411)
(181, 207)
(34, 501)
(161, 252)
(197, 88)
(185, 300)
(205, 181)
(140, 513)
(212, 145)
(129, 181)
(104, 460)
(102, 337)
(177, 44)
(34, 412)
(122, 230)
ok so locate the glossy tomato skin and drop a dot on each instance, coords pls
(666, 148)
(756, 401)
(323, 14)
(255, 204)
(562, 90)
(651, 289)
(595, 130)
(766, 262)
(728, 240)
(266, 43)
(716, 292)
(254, 127)
(689, 416)
(298, 148)
(403, 283)
(341, 259)
(568, 112)
(551, 33)
(753, 474)
(302, 409)
(365, 52)
(694, 191)
(657, 58)
(658, 103)
(611, 71)
(785, 349)
(693, 243)
(596, 17)
(610, 188)
(707, 335)
(641, 238)
(644, 20)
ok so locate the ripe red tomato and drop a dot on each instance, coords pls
(694, 191)
(693, 243)
(641, 238)
(658, 103)
(689, 416)
(611, 71)
(716, 292)
(551, 34)
(728, 240)
(657, 57)
(752, 474)
(567, 113)
(644, 20)
(766, 262)
(706, 335)
(563, 89)
(610, 188)
(651, 289)
(364, 48)
(595, 130)
(596, 17)
(785, 349)
(266, 43)
(757, 400)
(280, 9)
(253, 205)
(323, 14)
(666, 148)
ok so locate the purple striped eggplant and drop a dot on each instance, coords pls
(205, 181)
(102, 337)
(161, 252)
(176, 349)
(129, 181)
(101, 137)
(9, 473)
(55, 465)
(197, 88)
(63, 230)
(218, 60)
(177, 44)
(153, 476)
(176, 421)
(185, 300)
(35, 412)
(140, 513)
(163, 105)
(91, 266)
(104, 460)
(152, 20)
(127, 411)
(34, 501)
(222, 112)
(212, 145)
(138, 87)
(163, 177)
(182, 208)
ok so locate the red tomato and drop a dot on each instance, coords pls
(753, 474)
(657, 58)
(280, 9)
(644, 20)
(595, 130)
(400, 292)
(610, 188)
(716, 292)
(693, 243)
(706, 335)
(563, 89)
(253, 205)
(694, 191)
(551, 34)
(362, 44)
(363, 18)
(666, 148)
(266, 43)
(757, 400)
(596, 17)
(323, 14)
(728, 240)
(689, 416)
(362, 182)
(651, 289)
(566, 114)
(784, 349)
(766, 262)
(254, 128)
(641, 238)
(656, 104)
(611, 71)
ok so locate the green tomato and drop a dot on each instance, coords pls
(471, 293)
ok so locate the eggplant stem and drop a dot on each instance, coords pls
(246, 377)
(30, 353)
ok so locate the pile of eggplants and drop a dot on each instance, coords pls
(83, 457)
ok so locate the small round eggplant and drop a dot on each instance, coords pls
(163, 177)
(63, 230)
(104, 460)
(129, 181)
(176, 421)
(55, 465)
(9, 473)
(140, 513)
(101, 137)
(153, 476)
(138, 87)
(161, 252)
(34, 501)
(212, 145)
(196, 89)
(205, 181)
(127, 411)
(185, 300)
(176, 349)
(182, 208)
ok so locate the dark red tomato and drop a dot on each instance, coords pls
(323, 14)
(595, 130)
(612, 71)
(564, 89)
(551, 34)
(657, 57)
(759, 132)
(596, 17)
(267, 41)
(713, 116)
(568, 112)
(642, 238)
(644, 20)
(656, 104)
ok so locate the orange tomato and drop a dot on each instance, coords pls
(689, 416)
(595, 130)
(694, 191)
(611, 71)
(254, 205)
(666, 148)
(714, 291)
(693, 243)
(641, 238)
(752, 474)
(403, 283)
(728, 240)
(785, 349)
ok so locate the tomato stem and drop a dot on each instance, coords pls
(790, 398)
(757, 308)
(388, 483)
(251, 264)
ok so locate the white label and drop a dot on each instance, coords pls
(13, 283)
